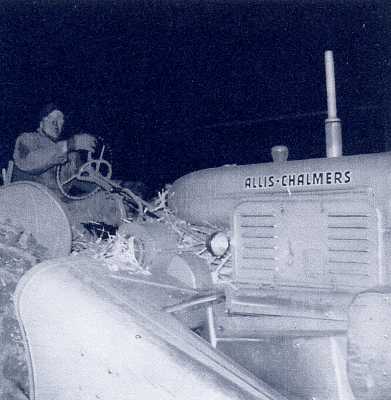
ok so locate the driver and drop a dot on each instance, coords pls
(37, 154)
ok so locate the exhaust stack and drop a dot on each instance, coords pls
(332, 123)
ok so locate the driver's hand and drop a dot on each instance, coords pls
(83, 141)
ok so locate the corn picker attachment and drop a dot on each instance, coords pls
(119, 344)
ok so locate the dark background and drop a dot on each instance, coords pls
(175, 86)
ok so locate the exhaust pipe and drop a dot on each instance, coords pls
(332, 123)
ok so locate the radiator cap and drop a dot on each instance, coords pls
(280, 153)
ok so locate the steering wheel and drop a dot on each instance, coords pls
(92, 175)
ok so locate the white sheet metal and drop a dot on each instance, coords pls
(87, 343)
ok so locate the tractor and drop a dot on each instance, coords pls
(264, 281)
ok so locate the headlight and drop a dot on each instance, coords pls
(218, 243)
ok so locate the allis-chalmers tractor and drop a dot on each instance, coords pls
(264, 281)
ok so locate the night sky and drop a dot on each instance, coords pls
(176, 86)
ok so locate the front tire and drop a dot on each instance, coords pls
(369, 345)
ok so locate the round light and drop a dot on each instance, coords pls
(218, 243)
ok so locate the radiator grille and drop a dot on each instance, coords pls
(351, 245)
(310, 243)
(258, 238)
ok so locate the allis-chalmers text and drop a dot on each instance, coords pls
(294, 179)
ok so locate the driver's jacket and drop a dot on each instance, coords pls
(36, 157)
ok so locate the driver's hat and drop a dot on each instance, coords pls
(46, 110)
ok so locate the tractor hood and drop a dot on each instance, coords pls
(210, 195)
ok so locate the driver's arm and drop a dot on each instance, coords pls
(36, 155)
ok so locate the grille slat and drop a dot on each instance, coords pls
(349, 273)
(258, 226)
(348, 215)
(347, 227)
(258, 237)
(347, 251)
(257, 215)
(348, 262)
(260, 247)
(341, 238)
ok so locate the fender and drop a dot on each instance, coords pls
(35, 208)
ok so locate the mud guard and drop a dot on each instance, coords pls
(36, 209)
(90, 338)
